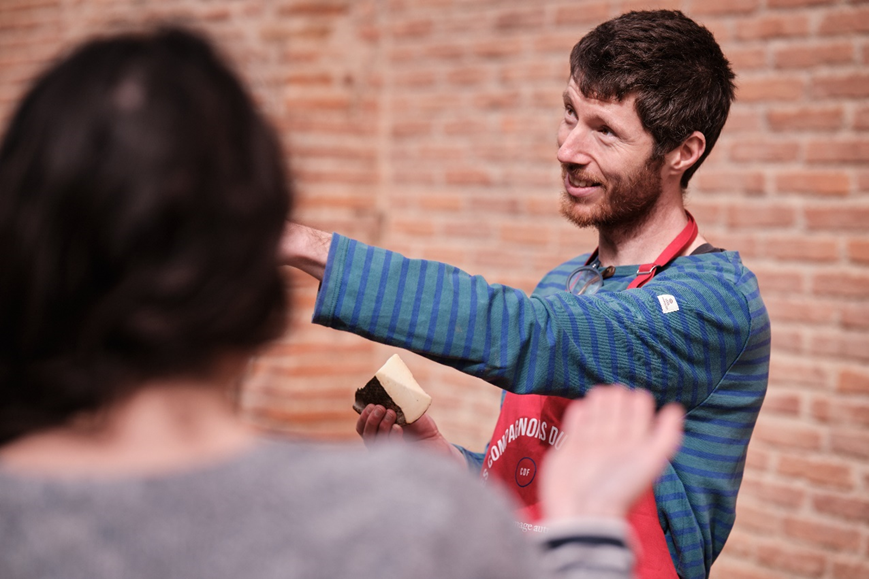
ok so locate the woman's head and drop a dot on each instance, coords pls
(142, 199)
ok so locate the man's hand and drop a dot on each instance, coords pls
(377, 424)
(305, 248)
(615, 448)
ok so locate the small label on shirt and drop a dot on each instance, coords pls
(668, 304)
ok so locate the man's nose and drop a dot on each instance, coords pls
(574, 147)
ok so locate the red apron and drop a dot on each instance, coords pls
(530, 424)
(527, 427)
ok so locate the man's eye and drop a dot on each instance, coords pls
(606, 131)
(569, 112)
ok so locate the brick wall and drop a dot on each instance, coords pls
(429, 126)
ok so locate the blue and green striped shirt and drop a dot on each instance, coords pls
(711, 355)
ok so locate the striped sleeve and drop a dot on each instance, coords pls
(554, 343)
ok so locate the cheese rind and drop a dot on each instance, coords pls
(394, 387)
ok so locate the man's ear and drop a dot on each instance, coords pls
(685, 155)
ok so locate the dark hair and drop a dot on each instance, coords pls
(681, 79)
(142, 200)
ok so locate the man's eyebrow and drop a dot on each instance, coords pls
(565, 96)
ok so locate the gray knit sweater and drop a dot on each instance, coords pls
(284, 511)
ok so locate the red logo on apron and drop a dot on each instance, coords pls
(530, 425)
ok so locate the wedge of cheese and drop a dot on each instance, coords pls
(394, 387)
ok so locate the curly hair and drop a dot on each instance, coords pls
(142, 200)
(681, 79)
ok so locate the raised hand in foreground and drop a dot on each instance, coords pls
(617, 446)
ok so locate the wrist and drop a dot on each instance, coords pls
(305, 248)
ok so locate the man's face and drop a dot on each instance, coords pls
(610, 178)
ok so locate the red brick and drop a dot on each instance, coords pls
(467, 177)
(13, 5)
(422, 227)
(587, 13)
(497, 49)
(414, 176)
(781, 25)
(843, 22)
(777, 88)
(853, 381)
(817, 471)
(742, 120)
(764, 150)
(558, 44)
(838, 217)
(807, 119)
(798, 3)
(803, 56)
(799, 561)
(851, 285)
(314, 8)
(757, 459)
(441, 202)
(450, 255)
(331, 102)
(445, 51)
(782, 404)
(766, 492)
(758, 519)
(791, 371)
(863, 181)
(855, 316)
(850, 570)
(524, 19)
(487, 258)
(747, 58)
(764, 215)
(731, 182)
(491, 204)
(842, 345)
(861, 119)
(850, 413)
(737, 568)
(854, 85)
(417, 79)
(496, 99)
(854, 443)
(781, 433)
(464, 126)
(525, 234)
(827, 536)
(802, 249)
(345, 176)
(467, 228)
(414, 28)
(701, 7)
(838, 151)
(803, 310)
(739, 545)
(827, 183)
(779, 279)
(840, 507)
(821, 409)
(339, 201)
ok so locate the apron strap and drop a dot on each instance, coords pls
(648, 270)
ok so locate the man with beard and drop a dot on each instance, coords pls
(655, 306)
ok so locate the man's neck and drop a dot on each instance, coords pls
(643, 244)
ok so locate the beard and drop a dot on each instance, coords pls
(627, 200)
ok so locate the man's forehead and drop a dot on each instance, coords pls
(572, 94)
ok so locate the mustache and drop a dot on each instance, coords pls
(577, 173)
